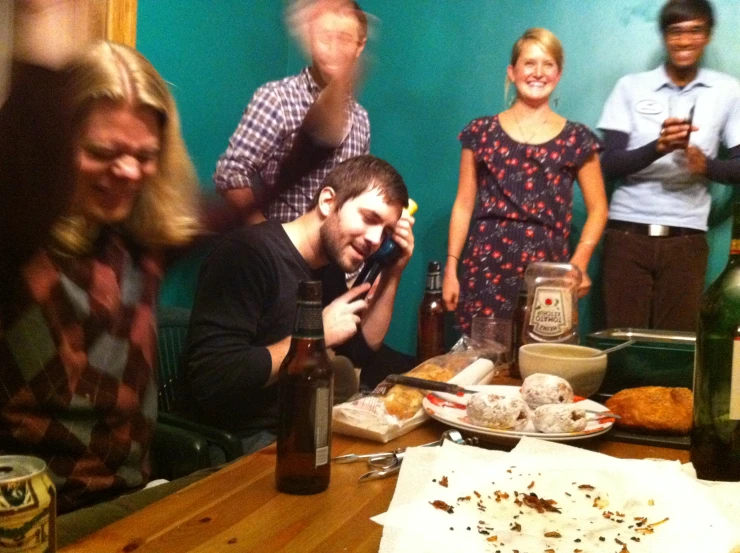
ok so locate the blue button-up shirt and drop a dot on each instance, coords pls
(665, 192)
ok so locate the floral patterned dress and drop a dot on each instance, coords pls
(522, 213)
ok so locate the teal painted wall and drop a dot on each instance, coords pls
(431, 67)
(214, 55)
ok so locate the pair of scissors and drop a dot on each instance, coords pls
(388, 464)
(382, 464)
(383, 467)
(373, 459)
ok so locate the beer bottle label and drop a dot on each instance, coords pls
(309, 321)
(551, 311)
(321, 426)
(735, 380)
(434, 282)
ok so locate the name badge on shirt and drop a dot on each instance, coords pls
(649, 107)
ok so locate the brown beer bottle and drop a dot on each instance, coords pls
(305, 390)
(430, 339)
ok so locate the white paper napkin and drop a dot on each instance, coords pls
(655, 490)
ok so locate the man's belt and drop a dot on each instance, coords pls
(651, 230)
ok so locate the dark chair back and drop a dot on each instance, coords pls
(172, 323)
(176, 406)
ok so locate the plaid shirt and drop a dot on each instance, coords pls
(77, 378)
(265, 136)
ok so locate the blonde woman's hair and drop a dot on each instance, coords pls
(543, 38)
(166, 211)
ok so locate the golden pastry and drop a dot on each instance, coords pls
(403, 402)
(654, 408)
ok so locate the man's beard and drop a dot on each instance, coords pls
(332, 245)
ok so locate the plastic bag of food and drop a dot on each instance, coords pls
(391, 411)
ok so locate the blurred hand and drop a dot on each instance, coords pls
(298, 16)
(50, 32)
(450, 288)
(301, 15)
(696, 161)
(674, 135)
(331, 45)
(585, 286)
(342, 316)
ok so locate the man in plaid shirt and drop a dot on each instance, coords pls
(296, 130)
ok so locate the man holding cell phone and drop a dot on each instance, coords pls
(245, 306)
(662, 131)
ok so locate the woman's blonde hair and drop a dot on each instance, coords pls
(543, 38)
(166, 211)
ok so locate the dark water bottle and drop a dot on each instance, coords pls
(305, 401)
(430, 335)
(386, 254)
(715, 438)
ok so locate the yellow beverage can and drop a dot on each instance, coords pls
(27, 506)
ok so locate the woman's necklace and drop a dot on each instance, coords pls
(537, 129)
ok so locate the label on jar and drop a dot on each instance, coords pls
(735, 381)
(321, 426)
(551, 311)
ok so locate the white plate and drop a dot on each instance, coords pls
(450, 409)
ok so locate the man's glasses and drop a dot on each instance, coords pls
(692, 33)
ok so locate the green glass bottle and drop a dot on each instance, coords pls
(715, 438)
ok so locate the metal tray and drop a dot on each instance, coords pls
(642, 335)
(658, 358)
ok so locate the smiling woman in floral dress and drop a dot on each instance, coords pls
(515, 191)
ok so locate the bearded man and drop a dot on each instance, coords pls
(244, 310)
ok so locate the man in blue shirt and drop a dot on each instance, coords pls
(655, 251)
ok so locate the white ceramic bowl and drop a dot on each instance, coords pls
(576, 364)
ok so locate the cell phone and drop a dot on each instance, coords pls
(385, 254)
(690, 121)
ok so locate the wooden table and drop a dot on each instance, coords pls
(238, 508)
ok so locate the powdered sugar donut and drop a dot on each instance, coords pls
(556, 418)
(542, 389)
(498, 412)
